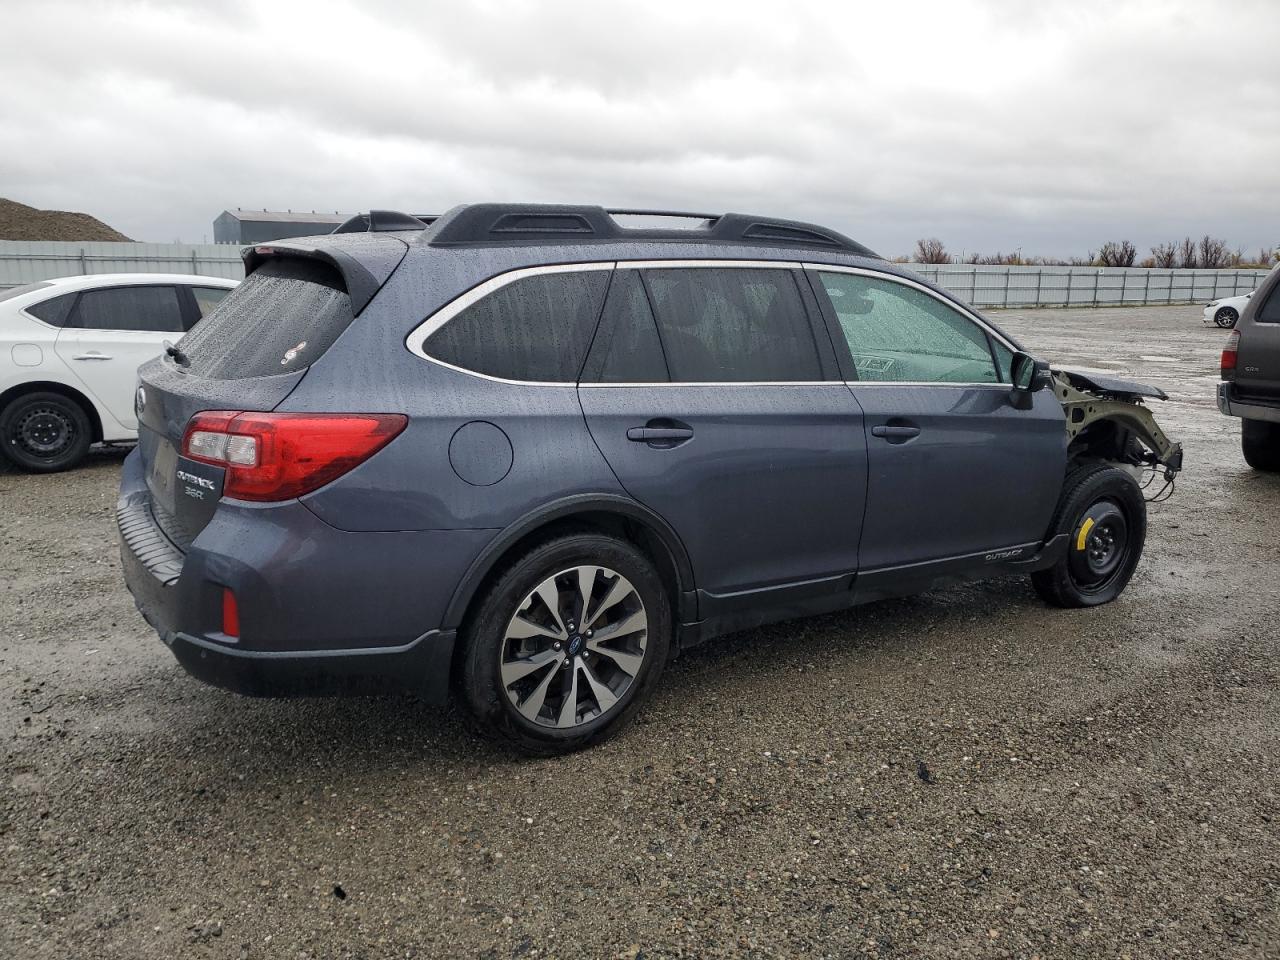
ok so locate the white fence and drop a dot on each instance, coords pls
(982, 286)
(22, 262)
(995, 286)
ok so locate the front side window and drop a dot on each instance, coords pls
(1004, 360)
(154, 309)
(535, 328)
(733, 325)
(899, 333)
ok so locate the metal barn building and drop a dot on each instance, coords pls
(258, 226)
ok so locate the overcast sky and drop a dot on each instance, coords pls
(1046, 126)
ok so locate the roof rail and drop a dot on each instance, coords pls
(384, 221)
(498, 223)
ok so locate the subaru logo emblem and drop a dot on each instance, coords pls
(139, 401)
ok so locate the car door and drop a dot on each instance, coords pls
(708, 394)
(111, 331)
(958, 476)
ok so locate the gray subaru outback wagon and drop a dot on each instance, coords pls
(533, 451)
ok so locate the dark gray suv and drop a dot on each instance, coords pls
(536, 451)
(1250, 387)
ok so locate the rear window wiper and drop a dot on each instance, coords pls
(179, 357)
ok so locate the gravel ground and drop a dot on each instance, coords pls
(966, 773)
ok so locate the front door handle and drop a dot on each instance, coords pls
(92, 356)
(895, 433)
(659, 434)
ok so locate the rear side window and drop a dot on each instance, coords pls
(626, 348)
(282, 318)
(147, 309)
(535, 328)
(54, 310)
(733, 325)
(1269, 311)
(898, 333)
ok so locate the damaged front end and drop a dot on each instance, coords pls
(1107, 419)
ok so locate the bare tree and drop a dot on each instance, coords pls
(996, 259)
(1187, 255)
(1164, 255)
(931, 251)
(1213, 253)
(1120, 254)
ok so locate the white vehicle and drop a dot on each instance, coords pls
(1226, 312)
(69, 355)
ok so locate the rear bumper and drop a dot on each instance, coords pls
(1248, 410)
(421, 667)
(322, 610)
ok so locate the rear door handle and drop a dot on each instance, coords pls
(659, 434)
(895, 433)
(92, 356)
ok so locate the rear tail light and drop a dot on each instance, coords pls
(1229, 353)
(279, 456)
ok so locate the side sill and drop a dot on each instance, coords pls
(808, 599)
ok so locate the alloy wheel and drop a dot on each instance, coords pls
(574, 647)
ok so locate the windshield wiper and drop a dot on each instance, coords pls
(179, 357)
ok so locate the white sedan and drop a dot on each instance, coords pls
(69, 355)
(1226, 312)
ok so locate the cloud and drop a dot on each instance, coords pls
(1051, 127)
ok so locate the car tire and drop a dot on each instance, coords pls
(44, 432)
(550, 683)
(1104, 515)
(1260, 442)
(1226, 317)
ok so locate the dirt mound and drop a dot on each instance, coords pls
(20, 222)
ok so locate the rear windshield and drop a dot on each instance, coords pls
(282, 318)
(21, 291)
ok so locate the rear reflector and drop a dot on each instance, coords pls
(279, 456)
(1229, 353)
(230, 613)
